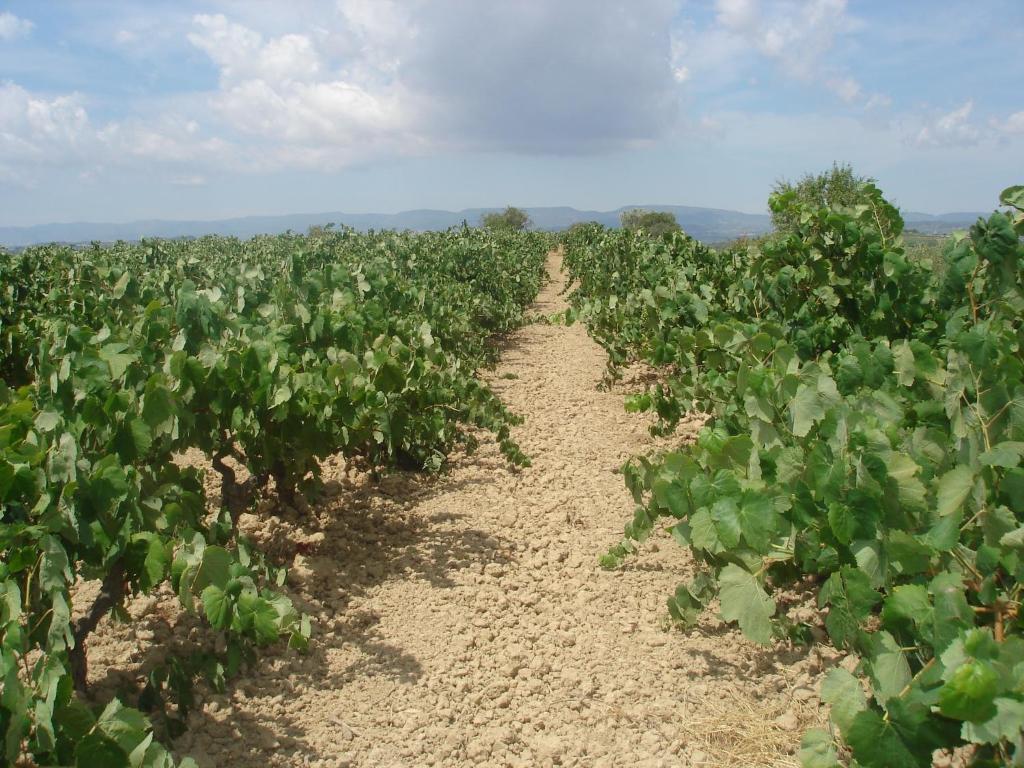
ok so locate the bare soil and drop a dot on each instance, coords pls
(463, 620)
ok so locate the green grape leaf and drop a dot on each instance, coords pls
(907, 602)
(1013, 196)
(127, 727)
(1014, 539)
(703, 532)
(670, 496)
(758, 520)
(726, 514)
(98, 751)
(47, 421)
(905, 367)
(116, 358)
(744, 601)
(218, 607)
(75, 720)
(953, 489)
(281, 395)
(256, 615)
(213, 569)
(877, 744)
(58, 636)
(908, 553)
(1006, 454)
(971, 692)
(54, 570)
(850, 597)
(952, 613)
(1005, 724)
(150, 558)
(903, 471)
(689, 600)
(871, 561)
(843, 692)
(842, 521)
(158, 408)
(134, 439)
(805, 409)
(817, 750)
(888, 666)
(945, 533)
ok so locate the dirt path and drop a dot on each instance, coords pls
(465, 622)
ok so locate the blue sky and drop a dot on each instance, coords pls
(114, 111)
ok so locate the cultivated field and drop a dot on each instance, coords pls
(358, 500)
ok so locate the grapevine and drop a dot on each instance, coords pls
(866, 435)
(277, 353)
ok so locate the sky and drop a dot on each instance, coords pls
(205, 109)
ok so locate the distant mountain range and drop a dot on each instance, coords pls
(943, 223)
(712, 225)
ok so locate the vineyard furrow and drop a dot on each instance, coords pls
(464, 620)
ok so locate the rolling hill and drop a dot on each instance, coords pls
(711, 225)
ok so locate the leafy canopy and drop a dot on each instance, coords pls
(512, 219)
(866, 438)
(655, 223)
(836, 187)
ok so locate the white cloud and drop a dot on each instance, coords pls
(678, 51)
(396, 78)
(799, 38)
(502, 76)
(953, 129)
(164, 139)
(282, 91)
(43, 129)
(193, 180)
(379, 29)
(846, 88)
(1011, 126)
(878, 101)
(330, 112)
(797, 35)
(242, 54)
(12, 27)
(38, 131)
(959, 128)
(738, 14)
(345, 82)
